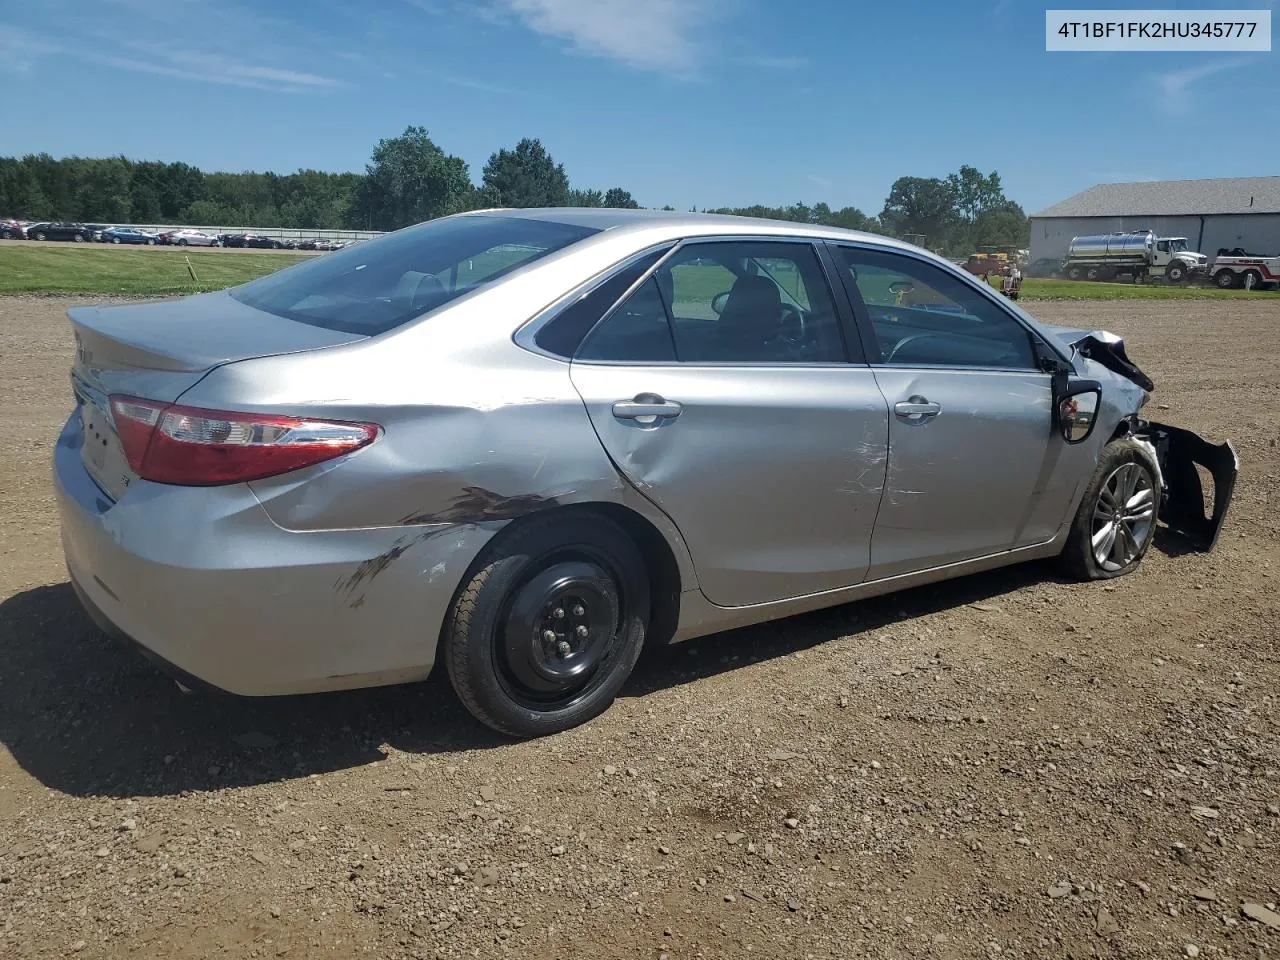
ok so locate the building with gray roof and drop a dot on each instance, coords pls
(1212, 214)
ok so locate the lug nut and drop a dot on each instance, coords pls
(581, 631)
(563, 648)
(558, 613)
(579, 610)
(549, 636)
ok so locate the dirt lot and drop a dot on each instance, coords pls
(1005, 765)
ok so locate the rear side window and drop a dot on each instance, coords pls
(382, 283)
(563, 333)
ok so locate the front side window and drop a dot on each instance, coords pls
(374, 286)
(922, 315)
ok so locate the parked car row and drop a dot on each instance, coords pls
(178, 236)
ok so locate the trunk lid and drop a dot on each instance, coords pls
(158, 350)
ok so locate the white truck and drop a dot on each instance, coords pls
(1235, 268)
(1139, 253)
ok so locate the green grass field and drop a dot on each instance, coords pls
(41, 269)
(94, 270)
(1033, 289)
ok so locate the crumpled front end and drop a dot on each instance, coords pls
(1185, 508)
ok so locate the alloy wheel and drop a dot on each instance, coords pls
(1123, 517)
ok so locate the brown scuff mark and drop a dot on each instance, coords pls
(476, 505)
(368, 570)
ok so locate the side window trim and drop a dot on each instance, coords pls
(525, 336)
(872, 345)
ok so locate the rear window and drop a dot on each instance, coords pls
(379, 284)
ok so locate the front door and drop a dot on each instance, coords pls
(723, 391)
(971, 452)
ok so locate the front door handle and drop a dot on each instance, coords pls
(917, 408)
(647, 408)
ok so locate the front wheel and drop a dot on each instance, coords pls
(115, 239)
(151, 243)
(548, 627)
(1116, 520)
(1175, 273)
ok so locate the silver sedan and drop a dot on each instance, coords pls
(527, 443)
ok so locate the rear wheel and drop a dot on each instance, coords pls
(1074, 273)
(1252, 275)
(1225, 279)
(548, 628)
(1116, 520)
(41, 235)
(78, 238)
(115, 239)
(151, 243)
(182, 242)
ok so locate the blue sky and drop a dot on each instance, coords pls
(707, 102)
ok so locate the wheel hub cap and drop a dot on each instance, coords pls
(559, 628)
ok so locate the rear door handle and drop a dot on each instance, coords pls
(917, 408)
(647, 408)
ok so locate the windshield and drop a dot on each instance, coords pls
(1177, 245)
(379, 284)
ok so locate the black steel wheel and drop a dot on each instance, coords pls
(1225, 279)
(549, 624)
(1176, 272)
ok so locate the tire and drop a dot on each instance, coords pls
(182, 242)
(41, 235)
(151, 243)
(1074, 273)
(504, 672)
(276, 246)
(1119, 461)
(1093, 273)
(78, 238)
(1257, 280)
(1175, 272)
(1224, 279)
(115, 239)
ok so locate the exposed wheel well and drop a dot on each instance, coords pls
(664, 571)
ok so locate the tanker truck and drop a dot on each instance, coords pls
(1140, 254)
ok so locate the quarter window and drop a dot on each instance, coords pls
(922, 316)
(636, 332)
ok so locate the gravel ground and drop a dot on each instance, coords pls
(1007, 765)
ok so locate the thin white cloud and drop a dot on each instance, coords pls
(820, 181)
(229, 74)
(1178, 81)
(658, 35)
(1177, 86)
(19, 49)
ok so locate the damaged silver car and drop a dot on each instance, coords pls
(527, 443)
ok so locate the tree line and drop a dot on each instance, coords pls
(410, 178)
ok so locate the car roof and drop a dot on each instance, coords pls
(605, 218)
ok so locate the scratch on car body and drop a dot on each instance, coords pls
(476, 505)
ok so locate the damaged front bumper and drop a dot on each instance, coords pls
(1183, 508)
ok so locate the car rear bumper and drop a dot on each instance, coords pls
(204, 581)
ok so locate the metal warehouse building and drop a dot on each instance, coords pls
(1211, 214)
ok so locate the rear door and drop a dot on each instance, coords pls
(723, 390)
(972, 456)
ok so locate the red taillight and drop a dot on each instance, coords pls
(190, 446)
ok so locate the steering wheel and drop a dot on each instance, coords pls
(906, 340)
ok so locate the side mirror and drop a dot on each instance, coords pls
(718, 302)
(1076, 410)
